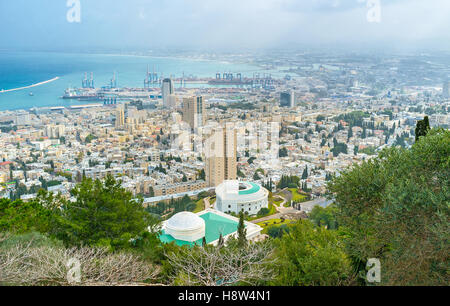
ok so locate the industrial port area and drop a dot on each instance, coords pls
(112, 93)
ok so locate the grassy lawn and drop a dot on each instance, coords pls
(200, 206)
(266, 224)
(297, 197)
(277, 200)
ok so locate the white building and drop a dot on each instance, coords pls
(186, 228)
(235, 196)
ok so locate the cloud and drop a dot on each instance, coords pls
(225, 23)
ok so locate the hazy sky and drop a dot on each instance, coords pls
(209, 24)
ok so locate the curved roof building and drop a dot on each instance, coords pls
(234, 196)
(189, 229)
(186, 226)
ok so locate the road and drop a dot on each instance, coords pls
(207, 203)
(283, 211)
(308, 206)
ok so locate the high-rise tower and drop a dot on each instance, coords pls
(120, 116)
(446, 89)
(221, 155)
(167, 89)
(194, 111)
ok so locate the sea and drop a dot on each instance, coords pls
(22, 69)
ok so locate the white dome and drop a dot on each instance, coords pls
(186, 226)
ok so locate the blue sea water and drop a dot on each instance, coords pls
(19, 69)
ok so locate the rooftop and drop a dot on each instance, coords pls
(253, 188)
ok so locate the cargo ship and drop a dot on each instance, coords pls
(74, 94)
(230, 82)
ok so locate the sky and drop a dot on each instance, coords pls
(224, 24)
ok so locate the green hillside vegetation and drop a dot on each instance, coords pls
(394, 207)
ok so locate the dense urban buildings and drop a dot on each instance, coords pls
(336, 115)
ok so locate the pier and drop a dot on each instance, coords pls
(30, 86)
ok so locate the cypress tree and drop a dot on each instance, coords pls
(221, 241)
(305, 173)
(242, 232)
(422, 128)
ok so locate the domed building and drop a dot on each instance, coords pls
(235, 196)
(185, 226)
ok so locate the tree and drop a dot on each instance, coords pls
(202, 175)
(339, 148)
(35, 260)
(277, 231)
(305, 173)
(287, 181)
(364, 133)
(242, 231)
(263, 212)
(151, 192)
(103, 213)
(395, 208)
(422, 128)
(222, 266)
(221, 242)
(283, 152)
(311, 256)
(327, 216)
(20, 217)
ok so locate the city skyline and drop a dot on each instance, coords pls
(232, 143)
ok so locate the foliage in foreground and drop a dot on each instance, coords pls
(396, 208)
(222, 265)
(36, 260)
(311, 256)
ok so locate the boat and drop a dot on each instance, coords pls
(73, 94)
(31, 94)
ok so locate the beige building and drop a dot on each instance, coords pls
(54, 131)
(162, 190)
(194, 111)
(120, 116)
(220, 153)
